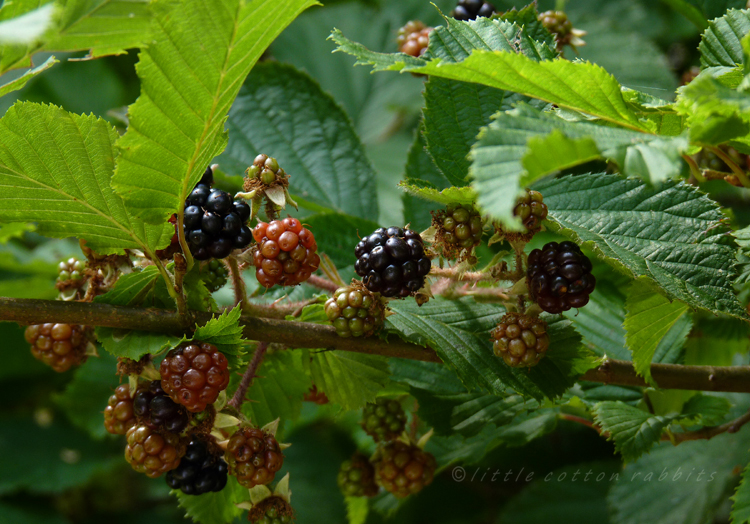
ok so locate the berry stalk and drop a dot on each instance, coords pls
(247, 378)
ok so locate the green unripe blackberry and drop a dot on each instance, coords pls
(354, 311)
(266, 169)
(384, 420)
(531, 210)
(71, 269)
(214, 274)
(557, 23)
(356, 477)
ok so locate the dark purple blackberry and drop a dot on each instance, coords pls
(155, 409)
(199, 472)
(392, 262)
(214, 223)
(208, 177)
(559, 277)
(472, 9)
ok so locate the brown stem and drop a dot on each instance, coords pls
(307, 335)
(694, 169)
(451, 273)
(238, 284)
(180, 268)
(247, 378)
(322, 283)
(737, 170)
(733, 426)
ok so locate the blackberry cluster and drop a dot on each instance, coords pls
(119, 415)
(404, 469)
(354, 311)
(559, 277)
(199, 472)
(193, 374)
(70, 270)
(531, 210)
(413, 38)
(153, 452)
(253, 456)
(473, 9)
(383, 420)
(392, 262)
(356, 477)
(214, 275)
(284, 253)
(214, 224)
(520, 340)
(60, 346)
(155, 409)
(316, 396)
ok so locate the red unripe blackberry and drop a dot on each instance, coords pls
(154, 408)
(201, 470)
(253, 456)
(119, 416)
(60, 346)
(559, 277)
(383, 420)
(153, 452)
(520, 340)
(404, 469)
(285, 253)
(354, 311)
(193, 374)
(356, 477)
(413, 38)
(316, 396)
(471, 9)
(392, 262)
(531, 210)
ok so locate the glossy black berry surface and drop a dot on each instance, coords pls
(559, 277)
(199, 471)
(472, 9)
(156, 410)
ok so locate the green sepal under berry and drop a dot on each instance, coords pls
(384, 420)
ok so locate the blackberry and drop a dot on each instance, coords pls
(392, 262)
(200, 471)
(214, 224)
(71, 270)
(316, 396)
(403, 469)
(472, 9)
(207, 179)
(354, 311)
(383, 420)
(559, 277)
(520, 340)
(253, 456)
(413, 38)
(357, 477)
(531, 210)
(60, 346)
(458, 229)
(193, 374)
(119, 415)
(155, 409)
(153, 452)
(557, 23)
(214, 275)
(266, 170)
(284, 253)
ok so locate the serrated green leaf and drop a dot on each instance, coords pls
(27, 28)
(135, 289)
(458, 195)
(134, 344)
(21, 81)
(683, 246)
(225, 333)
(706, 410)
(715, 341)
(421, 171)
(197, 295)
(741, 500)
(282, 112)
(14, 230)
(634, 431)
(340, 233)
(660, 113)
(348, 379)
(189, 80)
(649, 317)
(721, 42)
(356, 509)
(715, 113)
(214, 507)
(526, 428)
(379, 61)
(528, 18)
(55, 170)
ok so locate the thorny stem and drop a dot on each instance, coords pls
(469, 276)
(247, 378)
(737, 170)
(694, 169)
(240, 293)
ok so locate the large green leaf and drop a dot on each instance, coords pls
(21, 81)
(282, 112)
(673, 235)
(190, 74)
(741, 499)
(348, 379)
(421, 168)
(721, 43)
(213, 507)
(56, 169)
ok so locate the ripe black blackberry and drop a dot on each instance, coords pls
(354, 311)
(119, 415)
(193, 374)
(285, 253)
(253, 456)
(356, 477)
(392, 262)
(559, 277)
(155, 409)
(214, 224)
(520, 340)
(413, 38)
(214, 274)
(153, 452)
(403, 469)
(200, 471)
(472, 9)
(60, 346)
(383, 420)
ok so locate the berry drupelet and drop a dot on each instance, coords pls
(155, 409)
(193, 374)
(413, 38)
(153, 452)
(531, 210)
(119, 415)
(520, 340)
(392, 262)
(472, 9)
(356, 477)
(285, 253)
(199, 472)
(559, 277)
(214, 274)
(60, 346)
